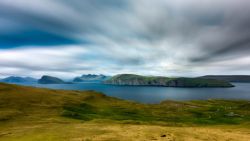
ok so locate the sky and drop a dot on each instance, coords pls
(149, 37)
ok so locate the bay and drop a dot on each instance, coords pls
(146, 94)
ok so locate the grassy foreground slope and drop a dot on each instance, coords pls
(28, 114)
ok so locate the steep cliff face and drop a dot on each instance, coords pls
(137, 80)
(50, 80)
(131, 79)
(91, 78)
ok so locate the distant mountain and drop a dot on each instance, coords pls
(91, 78)
(50, 80)
(230, 78)
(138, 80)
(17, 79)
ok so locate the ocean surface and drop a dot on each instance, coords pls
(145, 94)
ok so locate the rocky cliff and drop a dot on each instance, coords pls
(91, 78)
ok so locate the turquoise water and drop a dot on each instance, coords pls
(145, 94)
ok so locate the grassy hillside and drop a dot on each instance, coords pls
(137, 80)
(28, 113)
(229, 78)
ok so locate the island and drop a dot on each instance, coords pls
(50, 80)
(230, 78)
(139, 80)
(18, 79)
(91, 78)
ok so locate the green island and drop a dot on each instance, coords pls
(139, 80)
(38, 114)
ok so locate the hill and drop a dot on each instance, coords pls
(91, 78)
(50, 80)
(29, 113)
(17, 79)
(229, 78)
(138, 80)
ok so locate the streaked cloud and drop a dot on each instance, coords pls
(67, 38)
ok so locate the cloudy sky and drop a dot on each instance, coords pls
(152, 37)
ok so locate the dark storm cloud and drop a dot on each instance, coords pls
(230, 50)
(27, 38)
(231, 38)
(24, 16)
(31, 28)
(52, 22)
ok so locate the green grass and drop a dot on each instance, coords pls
(28, 114)
(191, 112)
(27, 102)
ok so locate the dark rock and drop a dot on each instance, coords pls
(163, 136)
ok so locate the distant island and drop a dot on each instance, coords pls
(17, 79)
(50, 80)
(229, 78)
(138, 80)
(91, 78)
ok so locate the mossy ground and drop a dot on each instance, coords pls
(28, 114)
